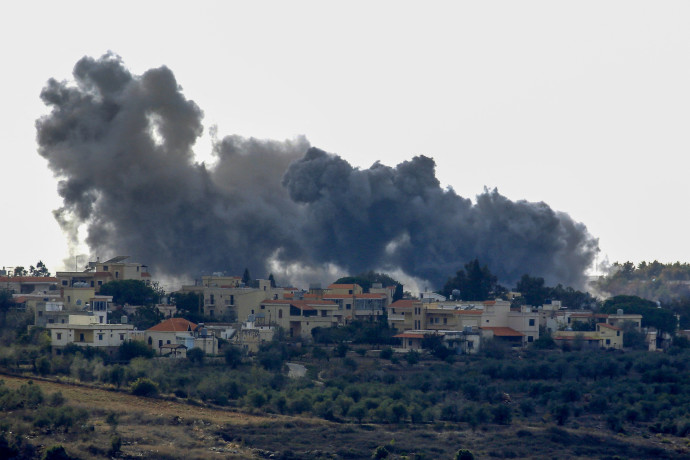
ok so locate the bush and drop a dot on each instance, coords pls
(196, 355)
(144, 387)
(386, 353)
(56, 453)
(134, 349)
(115, 446)
(233, 356)
(502, 414)
(464, 454)
(412, 357)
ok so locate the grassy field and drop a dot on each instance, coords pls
(166, 428)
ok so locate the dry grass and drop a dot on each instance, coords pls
(167, 429)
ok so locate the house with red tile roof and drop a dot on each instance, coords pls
(179, 331)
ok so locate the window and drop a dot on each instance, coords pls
(348, 306)
(81, 337)
(117, 275)
(91, 283)
(445, 320)
(531, 322)
(40, 313)
(409, 343)
(608, 341)
(105, 268)
(263, 307)
(232, 300)
(618, 333)
(211, 299)
(280, 313)
(167, 342)
(210, 313)
(51, 321)
(100, 283)
(122, 337)
(58, 336)
(64, 282)
(150, 341)
(160, 343)
(100, 336)
(530, 338)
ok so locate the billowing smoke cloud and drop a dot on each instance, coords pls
(121, 146)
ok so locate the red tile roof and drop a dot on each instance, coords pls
(404, 303)
(370, 296)
(504, 332)
(468, 312)
(28, 279)
(409, 335)
(173, 325)
(342, 286)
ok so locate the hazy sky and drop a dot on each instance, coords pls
(582, 105)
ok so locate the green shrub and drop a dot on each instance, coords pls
(134, 349)
(196, 355)
(386, 353)
(56, 453)
(502, 414)
(464, 454)
(144, 387)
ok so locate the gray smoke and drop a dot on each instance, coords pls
(121, 146)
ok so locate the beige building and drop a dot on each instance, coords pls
(495, 319)
(87, 331)
(605, 336)
(223, 298)
(297, 317)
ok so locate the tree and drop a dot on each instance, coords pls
(146, 317)
(20, 271)
(39, 270)
(652, 315)
(196, 355)
(533, 290)
(245, 276)
(475, 282)
(367, 279)
(134, 349)
(187, 302)
(6, 302)
(132, 292)
(272, 280)
(233, 356)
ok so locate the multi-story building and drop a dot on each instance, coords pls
(226, 299)
(87, 331)
(493, 318)
(605, 336)
(297, 317)
(98, 273)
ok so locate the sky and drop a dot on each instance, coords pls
(582, 105)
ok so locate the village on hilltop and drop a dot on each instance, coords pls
(248, 313)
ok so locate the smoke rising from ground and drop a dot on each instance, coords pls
(121, 147)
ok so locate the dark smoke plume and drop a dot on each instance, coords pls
(121, 146)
